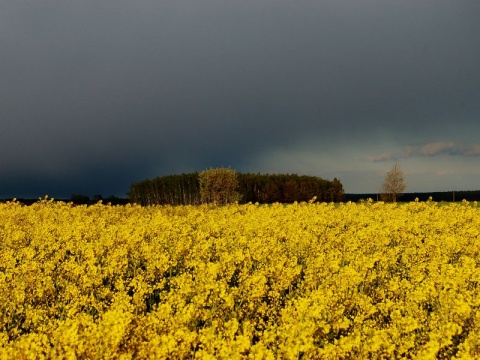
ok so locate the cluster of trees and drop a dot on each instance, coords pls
(287, 188)
(223, 185)
(181, 189)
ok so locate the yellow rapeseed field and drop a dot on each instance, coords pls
(309, 280)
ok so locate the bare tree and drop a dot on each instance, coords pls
(394, 184)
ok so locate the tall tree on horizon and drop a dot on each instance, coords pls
(394, 184)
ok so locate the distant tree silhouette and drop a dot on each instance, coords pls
(79, 199)
(338, 192)
(171, 189)
(97, 198)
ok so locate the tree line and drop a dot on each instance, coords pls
(225, 185)
(437, 196)
(287, 188)
(181, 189)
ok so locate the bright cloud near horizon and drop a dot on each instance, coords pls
(96, 95)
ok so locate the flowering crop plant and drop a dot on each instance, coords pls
(306, 280)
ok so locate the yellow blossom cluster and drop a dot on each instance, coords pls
(307, 280)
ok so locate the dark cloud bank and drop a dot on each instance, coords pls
(97, 95)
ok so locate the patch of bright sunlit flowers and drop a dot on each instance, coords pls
(310, 280)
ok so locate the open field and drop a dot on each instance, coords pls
(368, 280)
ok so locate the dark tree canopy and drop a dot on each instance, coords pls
(221, 188)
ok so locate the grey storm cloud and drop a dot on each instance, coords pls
(95, 95)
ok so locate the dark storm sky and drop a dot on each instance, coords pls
(95, 95)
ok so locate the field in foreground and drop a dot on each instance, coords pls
(307, 281)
